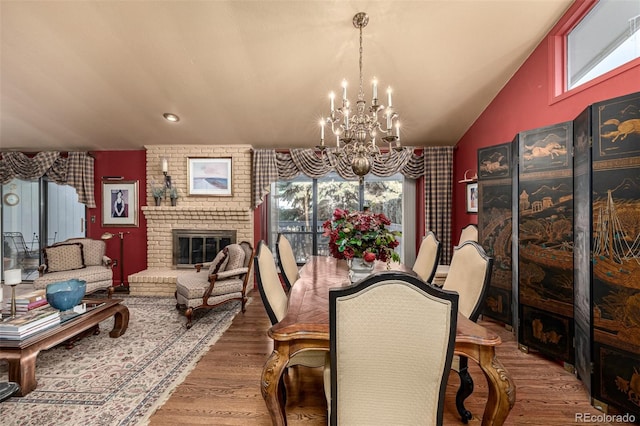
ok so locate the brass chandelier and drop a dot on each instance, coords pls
(356, 132)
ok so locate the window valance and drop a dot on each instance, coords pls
(270, 166)
(75, 170)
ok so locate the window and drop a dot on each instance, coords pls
(300, 206)
(606, 38)
(36, 214)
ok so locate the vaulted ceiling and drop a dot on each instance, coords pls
(98, 75)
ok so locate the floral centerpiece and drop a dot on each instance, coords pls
(361, 235)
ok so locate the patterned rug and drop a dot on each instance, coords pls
(105, 381)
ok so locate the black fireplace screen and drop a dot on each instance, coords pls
(198, 246)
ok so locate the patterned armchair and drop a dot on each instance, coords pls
(81, 258)
(224, 281)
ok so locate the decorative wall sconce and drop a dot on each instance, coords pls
(466, 179)
(165, 171)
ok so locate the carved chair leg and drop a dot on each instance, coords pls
(465, 389)
(189, 314)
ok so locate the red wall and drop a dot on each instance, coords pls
(131, 165)
(526, 103)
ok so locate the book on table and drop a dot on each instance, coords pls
(26, 302)
(29, 323)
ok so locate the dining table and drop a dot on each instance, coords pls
(306, 326)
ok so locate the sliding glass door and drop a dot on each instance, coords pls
(36, 214)
(300, 206)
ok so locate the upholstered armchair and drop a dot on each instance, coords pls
(428, 257)
(275, 302)
(392, 338)
(469, 276)
(224, 281)
(286, 261)
(468, 233)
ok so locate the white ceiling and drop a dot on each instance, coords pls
(97, 75)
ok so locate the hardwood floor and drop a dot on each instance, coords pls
(224, 388)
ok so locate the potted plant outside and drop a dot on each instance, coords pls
(173, 195)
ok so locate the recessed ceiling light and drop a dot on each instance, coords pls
(171, 117)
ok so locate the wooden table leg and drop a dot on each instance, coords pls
(22, 370)
(502, 390)
(272, 387)
(121, 321)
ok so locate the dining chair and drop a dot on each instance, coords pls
(469, 276)
(275, 302)
(428, 257)
(392, 338)
(468, 233)
(286, 261)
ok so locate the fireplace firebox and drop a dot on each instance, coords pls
(198, 246)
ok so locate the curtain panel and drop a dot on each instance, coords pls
(75, 170)
(438, 166)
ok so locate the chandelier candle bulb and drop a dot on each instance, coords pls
(389, 97)
(344, 90)
(322, 131)
(375, 91)
(332, 97)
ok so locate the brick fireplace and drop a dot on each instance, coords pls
(195, 213)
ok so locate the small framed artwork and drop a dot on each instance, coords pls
(472, 197)
(209, 176)
(120, 203)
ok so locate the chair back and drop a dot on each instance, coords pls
(428, 257)
(469, 233)
(273, 295)
(392, 338)
(469, 275)
(287, 261)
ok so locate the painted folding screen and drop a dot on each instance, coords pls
(495, 226)
(545, 240)
(615, 248)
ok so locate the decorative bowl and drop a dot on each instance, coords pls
(64, 295)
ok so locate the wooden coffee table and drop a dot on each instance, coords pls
(21, 354)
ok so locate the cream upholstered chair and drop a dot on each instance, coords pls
(428, 257)
(286, 261)
(468, 233)
(275, 302)
(224, 281)
(469, 276)
(392, 338)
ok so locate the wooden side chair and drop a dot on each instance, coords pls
(428, 257)
(224, 281)
(286, 261)
(469, 276)
(275, 302)
(392, 338)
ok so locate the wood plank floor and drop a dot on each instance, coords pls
(224, 388)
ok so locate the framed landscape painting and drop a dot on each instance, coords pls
(209, 176)
(120, 203)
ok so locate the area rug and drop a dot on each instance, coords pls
(105, 381)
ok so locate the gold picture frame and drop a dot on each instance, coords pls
(210, 176)
(120, 203)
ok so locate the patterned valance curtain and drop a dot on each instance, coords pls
(75, 170)
(270, 166)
